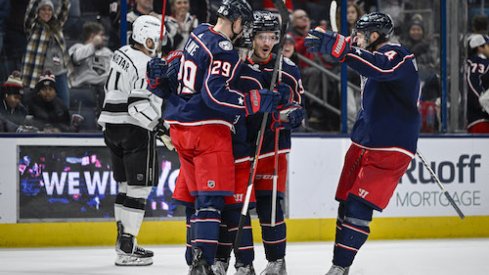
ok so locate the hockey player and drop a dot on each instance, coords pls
(201, 123)
(477, 96)
(265, 34)
(384, 137)
(130, 119)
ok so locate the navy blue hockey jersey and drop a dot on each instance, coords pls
(477, 69)
(389, 118)
(208, 66)
(291, 76)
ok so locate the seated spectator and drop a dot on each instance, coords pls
(49, 112)
(91, 60)
(300, 27)
(181, 23)
(477, 71)
(12, 112)
(46, 45)
(288, 49)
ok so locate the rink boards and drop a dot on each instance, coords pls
(36, 185)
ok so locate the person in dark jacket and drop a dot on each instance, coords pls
(50, 114)
(12, 112)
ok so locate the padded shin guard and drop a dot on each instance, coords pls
(354, 232)
(274, 238)
(339, 220)
(205, 225)
(189, 212)
(119, 200)
(245, 254)
(132, 213)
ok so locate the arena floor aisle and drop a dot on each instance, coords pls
(420, 257)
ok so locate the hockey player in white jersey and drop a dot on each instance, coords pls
(130, 118)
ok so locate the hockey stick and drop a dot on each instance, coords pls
(273, 218)
(284, 14)
(332, 15)
(437, 180)
(162, 30)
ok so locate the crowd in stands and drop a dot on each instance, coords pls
(73, 41)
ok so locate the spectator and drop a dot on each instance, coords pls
(12, 112)
(421, 48)
(91, 60)
(50, 114)
(353, 12)
(288, 49)
(180, 24)
(46, 45)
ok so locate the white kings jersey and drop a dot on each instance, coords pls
(126, 86)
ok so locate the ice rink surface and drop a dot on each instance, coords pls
(420, 257)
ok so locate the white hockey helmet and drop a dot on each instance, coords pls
(146, 27)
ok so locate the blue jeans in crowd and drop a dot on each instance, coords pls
(62, 88)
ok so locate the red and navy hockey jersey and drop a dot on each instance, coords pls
(477, 71)
(291, 76)
(389, 118)
(208, 66)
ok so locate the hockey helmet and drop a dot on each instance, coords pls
(265, 21)
(146, 27)
(375, 22)
(234, 9)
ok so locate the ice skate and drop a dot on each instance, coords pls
(220, 267)
(338, 270)
(199, 264)
(275, 268)
(130, 254)
(244, 269)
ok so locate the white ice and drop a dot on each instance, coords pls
(420, 257)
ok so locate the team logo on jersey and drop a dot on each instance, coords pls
(139, 177)
(226, 45)
(211, 184)
(288, 61)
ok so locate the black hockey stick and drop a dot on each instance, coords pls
(437, 180)
(284, 14)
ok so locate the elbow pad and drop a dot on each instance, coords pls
(144, 107)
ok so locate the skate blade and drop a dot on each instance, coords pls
(126, 260)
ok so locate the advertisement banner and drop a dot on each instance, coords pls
(68, 182)
(461, 164)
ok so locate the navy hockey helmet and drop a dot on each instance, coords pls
(234, 9)
(265, 21)
(375, 22)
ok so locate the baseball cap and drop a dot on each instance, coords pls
(477, 40)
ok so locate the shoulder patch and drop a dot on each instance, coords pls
(288, 61)
(254, 67)
(226, 45)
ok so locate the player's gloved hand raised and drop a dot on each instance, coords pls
(288, 117)
(173, 61)
(327, 42)
(163, 134)
(156, 71)
(261, 101)
(484, 101)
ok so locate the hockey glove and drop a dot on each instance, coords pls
(289, 117)
(286, 94)
(327, 42)
(173, 61)
(261, 101)
(163, 134)
(156, 70)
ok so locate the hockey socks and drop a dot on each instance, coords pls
(274, 238)
(205, 225)
(353, 231)
(227, 235)
(189, 212)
